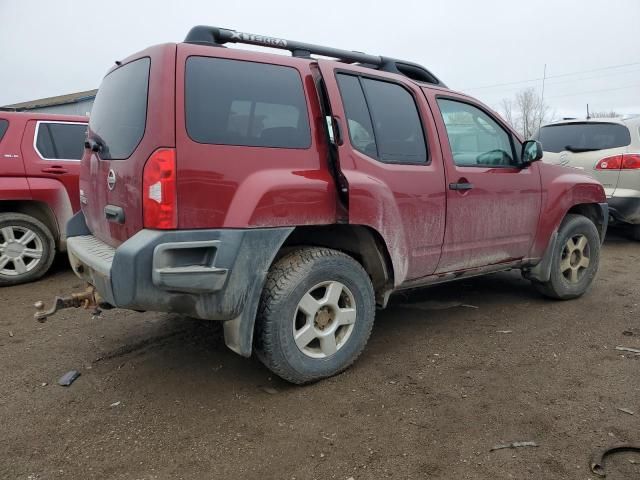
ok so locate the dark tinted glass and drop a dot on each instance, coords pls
(396, 123)
(61, 141)
(583, 136)
(358, 119)
(232, 102)
(4, 125)
(476, 139)
(119, 113)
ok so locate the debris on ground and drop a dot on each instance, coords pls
(628, 349)
(628, 333)
(597, 460)
(269, 390)
(44, 384)
(10, 333)
(433, 305)
(625, 410)
(115, 404)
(68, 378)
(513, 445)
(504, 331)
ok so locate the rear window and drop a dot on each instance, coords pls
(234, 102)
(60, 141)
(119, 113)
(4, 125)
(583, 136)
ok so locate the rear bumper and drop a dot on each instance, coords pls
(215, 274)
(625, 209)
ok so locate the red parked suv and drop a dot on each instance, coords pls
(39, 167)
(288, 196)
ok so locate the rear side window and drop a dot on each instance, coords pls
(60, 141)
(234, 102)
(4, 125)
(383, 120)
(119, 113)
(583, 137)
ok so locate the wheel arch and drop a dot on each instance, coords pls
(594, 212)
(36, 209)
(362, 243)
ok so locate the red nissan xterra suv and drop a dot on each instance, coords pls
(39, 167)
(287, 196)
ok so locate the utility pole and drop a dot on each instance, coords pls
(541, 110)
(588, 116)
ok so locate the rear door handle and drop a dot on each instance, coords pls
(56, 169)
(461, 186)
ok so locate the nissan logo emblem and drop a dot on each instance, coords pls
(111, 179)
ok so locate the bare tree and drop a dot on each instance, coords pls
(526, 112)
(507, 111)
(605, 114)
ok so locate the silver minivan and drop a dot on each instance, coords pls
(609, 150)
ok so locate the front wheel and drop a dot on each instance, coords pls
(575, 259)
(316, 314)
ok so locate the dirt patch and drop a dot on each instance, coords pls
(436, 389)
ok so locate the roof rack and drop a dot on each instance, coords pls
(216, 36)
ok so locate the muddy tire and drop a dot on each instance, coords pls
(575, 259)
(315, 316)
(27, 248)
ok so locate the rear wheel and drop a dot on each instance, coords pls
(27, 248)
(575, 259)
(316, 314)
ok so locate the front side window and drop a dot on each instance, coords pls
(4, 125)
(476, 140)
(61, 141)
(383, 120)
(234, 102)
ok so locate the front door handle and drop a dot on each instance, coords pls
(461, 186)
(55, 169)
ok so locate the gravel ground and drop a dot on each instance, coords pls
(449, 372)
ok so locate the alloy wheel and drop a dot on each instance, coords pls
(20, 250)
(324, 319)
(575, 258)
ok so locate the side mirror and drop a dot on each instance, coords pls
(531, 151)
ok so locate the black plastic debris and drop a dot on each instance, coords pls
(68, 378)
(597, 460)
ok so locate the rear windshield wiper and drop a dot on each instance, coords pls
(580, 149)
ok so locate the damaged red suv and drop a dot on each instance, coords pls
(288, 196)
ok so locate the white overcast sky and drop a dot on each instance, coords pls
(54, 47)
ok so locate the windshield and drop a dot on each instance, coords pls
(583, 137)
(119, 113)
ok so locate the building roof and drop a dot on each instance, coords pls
(50, 101)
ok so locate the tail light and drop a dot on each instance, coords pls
(625, 161)
(159, 203)
(631, 161)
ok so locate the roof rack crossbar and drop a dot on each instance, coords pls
(216, 36)
(220, 36)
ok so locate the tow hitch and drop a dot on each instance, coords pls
(88, 299)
